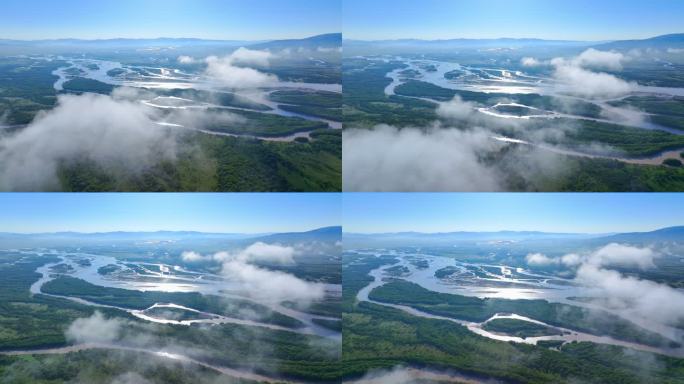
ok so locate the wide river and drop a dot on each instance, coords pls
(166, 78)
(172, 278)
(498, 80)
(169, 278)
(511, 283)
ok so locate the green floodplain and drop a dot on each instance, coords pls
(380, 337)
(253, 150)
(41, 321)
(414, 105)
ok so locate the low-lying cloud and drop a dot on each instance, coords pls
(396, 375)
(112, 131)
(632, 296)
(582, 82)
(593, 58)
(234, 71)
(440, 158)
(578, 76)
(270, 285)
(95, 329)
(456, 109)
(262, 252)
(232, 76)
(186, 60)
(258, 252)
(259, 282)
(246, 56)
(590, 58)
(611, 255)
(597, 276)
(540, 260)
(434, 159)
(404, 375)
(530, 62)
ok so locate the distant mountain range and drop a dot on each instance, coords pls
(471, 236)
(660, 235)
(320, 234)
(325, 41)
(664, 41)
(328, 234)
(330, 40)
(669, 234)
(158, 42)
(466, 43)
(334, 234)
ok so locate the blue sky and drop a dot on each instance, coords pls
(221, 212)
(550, 212)
(214, 19)
(549, 19)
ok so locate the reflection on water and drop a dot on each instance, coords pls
(487, 80)
(454, 76)
(166, 79)
(482, 281)
(501, 81)
(144, 277)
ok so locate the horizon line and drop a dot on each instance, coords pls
(166, 37)
(163, 230)
(510, 38)
(507, 230)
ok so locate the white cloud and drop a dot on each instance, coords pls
(433, 159)
(456, 109)
(530, 62)
(623, 255)
(578, 81)
(186, 60)
(258, 252)
(194, 257)
(610, 255)
(94, 329)
(271, 285)
(232, 72)
(270, 253)
(238, 267)
(571, 259)
(624, 115)
(539, 259)
(675, 50)
(246, 56)
(223, 70)
(636, 299)
(112, 131)
(576, 75)
(593, 58)
(631, 296)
